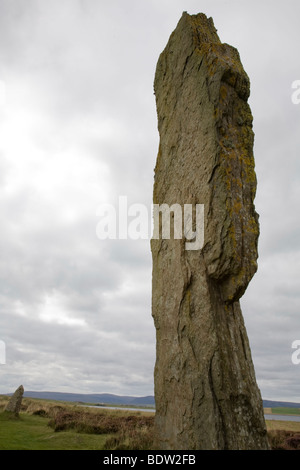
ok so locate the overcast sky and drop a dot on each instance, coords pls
(78, 128)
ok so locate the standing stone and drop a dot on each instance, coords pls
(205, 387)
(14, 404)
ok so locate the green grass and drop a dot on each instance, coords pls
(286, 411)
(30, 432)
(53, 425)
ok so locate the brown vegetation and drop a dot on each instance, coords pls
(284, 440)
(130, 430)
(125, 430)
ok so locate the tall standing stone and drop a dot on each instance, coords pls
(15, 402)
(205, 387)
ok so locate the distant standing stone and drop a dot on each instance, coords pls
(14, 404)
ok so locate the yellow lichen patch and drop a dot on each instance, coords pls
(232, 235)
(249, 176)
(252, 226)
(223, 93)
(237, 282)
(216, 114)
(212, 57)
(231, 79)
(239, 183)
(228, 179)
(227, 308)
(236, 207)
(247, 165)
(232, 154)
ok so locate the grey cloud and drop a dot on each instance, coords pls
(83, 71)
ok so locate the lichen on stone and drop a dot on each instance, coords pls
(205, 389)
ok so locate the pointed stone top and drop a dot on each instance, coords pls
(204, 28)
(14, 404)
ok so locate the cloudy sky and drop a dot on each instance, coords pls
(78, 129)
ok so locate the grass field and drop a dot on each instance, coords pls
(31, 432)
(283, 426)
(286, 411)
(46, 425)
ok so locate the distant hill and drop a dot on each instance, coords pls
(106, 398)
(280, 404)
(110, 399)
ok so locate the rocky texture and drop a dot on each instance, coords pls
(14, 404)
(205, 387)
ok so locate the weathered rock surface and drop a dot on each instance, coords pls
(14, 404)
(205, 387)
